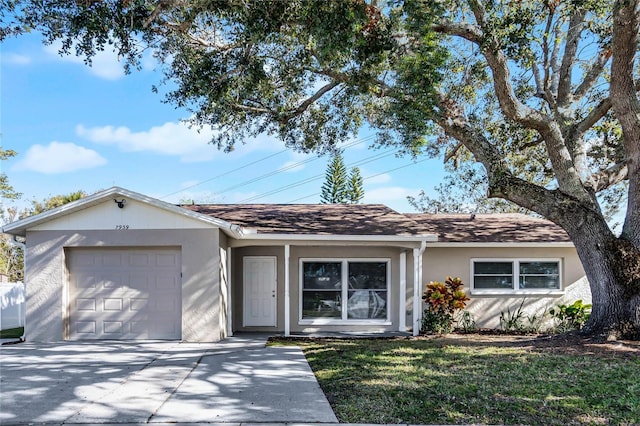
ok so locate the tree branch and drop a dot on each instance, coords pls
(604, 179)
(592, 75)
(468, 32)
(576, 25)
(249, 108)
(496, 60)
(307, 102)
(593, 117)
(625, 104)
(502, 183)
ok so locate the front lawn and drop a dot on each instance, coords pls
(467, 380)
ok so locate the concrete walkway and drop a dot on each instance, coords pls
(235, 381)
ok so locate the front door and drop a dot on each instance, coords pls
(259, 289)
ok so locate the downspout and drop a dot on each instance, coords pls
(23, 246)
(417, 286)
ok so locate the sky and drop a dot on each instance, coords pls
(76, 127)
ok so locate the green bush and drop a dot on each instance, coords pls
(443, 300)
(571, 317)
(466, 322)
(517, 321)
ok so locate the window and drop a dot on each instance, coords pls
(515, 275)
(344, 289)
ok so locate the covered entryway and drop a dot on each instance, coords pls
(260, 283)
(124, 293)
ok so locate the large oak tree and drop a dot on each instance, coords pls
(542, 94)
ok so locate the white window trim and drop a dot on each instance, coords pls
(344, 278)
(516, 277)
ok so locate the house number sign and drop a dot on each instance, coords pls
(122, 227)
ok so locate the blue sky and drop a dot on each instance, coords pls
(81, 128)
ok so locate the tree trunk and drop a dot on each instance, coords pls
(612, 266)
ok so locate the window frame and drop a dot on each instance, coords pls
(516, 277)
(344, 290)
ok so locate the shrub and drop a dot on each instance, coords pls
(466, 322)
(571, 317)
(443, 300)
(517, 321)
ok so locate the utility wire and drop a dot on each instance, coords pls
(366, 160)
(364, 179)
(266, 175)
(226, 173)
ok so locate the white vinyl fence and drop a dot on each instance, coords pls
(12, 298)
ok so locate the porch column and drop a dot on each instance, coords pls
(229, 292)
(402, 320)
(417, 287)
(287, 301)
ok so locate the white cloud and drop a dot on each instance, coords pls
(105, 64)
(169, 139)
(387, 194)
(16, 59)
(59, 157)
(176, 139)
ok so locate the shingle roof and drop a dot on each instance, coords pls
(378, 219)
(320, 219)
(488, 228)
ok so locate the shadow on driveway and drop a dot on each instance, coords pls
(238, 380)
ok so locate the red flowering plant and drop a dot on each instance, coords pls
(442, 301)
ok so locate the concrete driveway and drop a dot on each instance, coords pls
(238, 380)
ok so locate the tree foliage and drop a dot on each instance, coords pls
(334, 188)
(355, 187)
(541, 95)
(12, 254)
(340, 187)
(7, 192)
(41, 206)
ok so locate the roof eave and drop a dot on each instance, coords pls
(20, 227)
(522, 244)
(342, 237)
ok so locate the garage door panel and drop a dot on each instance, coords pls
(125, 294)
(84, 304)
(111, 259)
(139, 281)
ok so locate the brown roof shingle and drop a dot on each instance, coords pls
(489, 228)
(320, 219)
(378, 219)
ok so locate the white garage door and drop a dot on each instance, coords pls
(125, 293)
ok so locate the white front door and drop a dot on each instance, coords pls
(259, 289)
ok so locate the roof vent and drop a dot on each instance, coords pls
(473, 216)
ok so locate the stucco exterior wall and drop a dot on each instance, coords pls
(322, 252)
(440, 262)
(47, 277)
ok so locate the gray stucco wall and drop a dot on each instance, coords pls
(326, 252)
(439, 262)
(47, 278)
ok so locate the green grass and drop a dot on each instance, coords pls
(12, 333)
(433, 382)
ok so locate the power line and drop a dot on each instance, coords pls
(226, 173)
(364, 179)
(366, 160)
(266, 175)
